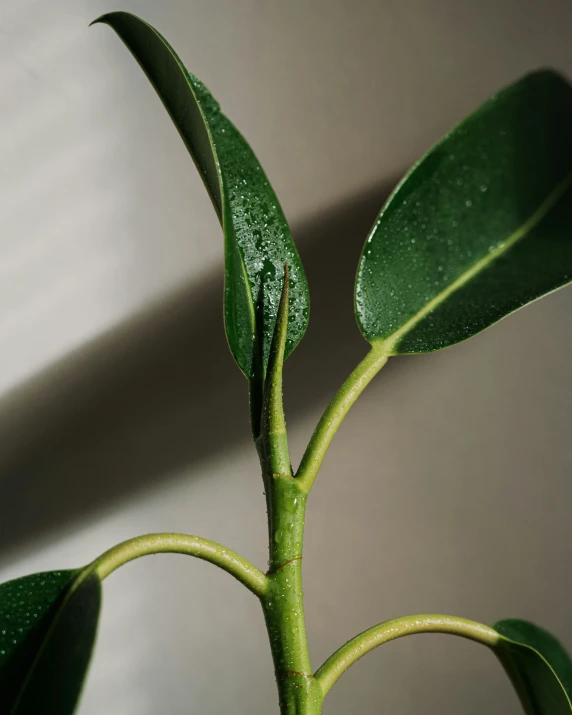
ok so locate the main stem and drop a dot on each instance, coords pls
(283, 604)
(283, 600)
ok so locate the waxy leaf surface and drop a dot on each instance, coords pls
(538, 666)
(481, 225)
(48, 623)
(257, 239)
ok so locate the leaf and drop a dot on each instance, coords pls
(257, 239)
(538, 666)
(479, 227)
(48, 623)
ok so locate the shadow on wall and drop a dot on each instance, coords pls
(162, 392)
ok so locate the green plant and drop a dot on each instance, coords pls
(477, 229)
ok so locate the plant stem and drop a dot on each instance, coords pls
(283, 604)
(363, 643)
(226, 559)
(273, 441)
(335, 413)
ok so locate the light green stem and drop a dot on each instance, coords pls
(335, 413)
(272, 444)
(283, 605)
(226, 559)
(363, 643)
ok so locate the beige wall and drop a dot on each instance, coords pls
(448, 488)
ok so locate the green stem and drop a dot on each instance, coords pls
(363, 643)
(228, 560)
(272, 444)
(335, 413)
(283, 604)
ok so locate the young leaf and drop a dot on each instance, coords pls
(256, 235)
(538, 666)
(48, 623)
(481, 225)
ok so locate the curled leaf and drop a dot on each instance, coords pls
(257, 239)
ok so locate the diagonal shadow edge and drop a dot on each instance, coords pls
(161, 392)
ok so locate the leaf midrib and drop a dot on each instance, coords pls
(389, 343)
(538, 654)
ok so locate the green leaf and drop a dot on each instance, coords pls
(538, 666)
(481, 225)
(48, 623)
(257, 239)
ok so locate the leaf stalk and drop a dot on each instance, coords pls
(357, 647)
(226, 559)
(335, 413)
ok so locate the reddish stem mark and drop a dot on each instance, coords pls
(279, 568)
(295, 672)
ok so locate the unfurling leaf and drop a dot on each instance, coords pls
(48, 623)
(256, 235)
(481, 225)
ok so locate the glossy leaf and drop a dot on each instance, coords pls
(257, 239)
(538, 666)
(48, 623)
(481, 226)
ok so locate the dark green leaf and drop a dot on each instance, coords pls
(538, 666)
(481, 226)
(257, 239)
(48, 623)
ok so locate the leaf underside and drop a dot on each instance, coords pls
(48, 623)
(538, 666)
(481, 225)
(258, 242)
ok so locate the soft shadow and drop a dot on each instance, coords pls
(161, 392)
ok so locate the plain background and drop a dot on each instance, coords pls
(121, 412)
